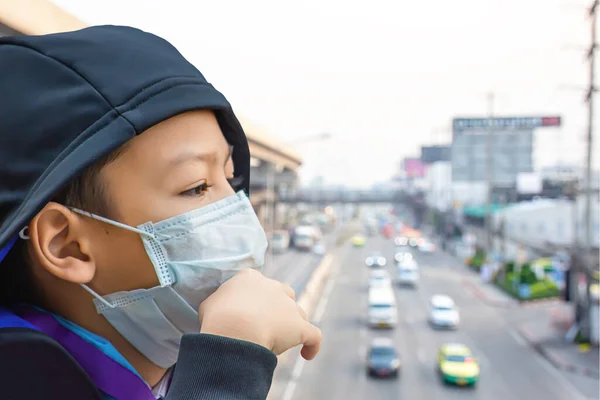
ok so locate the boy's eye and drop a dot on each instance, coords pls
(198, 190)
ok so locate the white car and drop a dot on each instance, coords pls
(402, 256)
(379, 278)
(408, 273)
(382, 308)
(426, 247)
(401, 241)
(376, 260)
(443, 313)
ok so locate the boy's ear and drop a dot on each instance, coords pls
(60, 243)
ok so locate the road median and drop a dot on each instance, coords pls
(311, 295)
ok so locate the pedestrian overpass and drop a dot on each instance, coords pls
(322, 196)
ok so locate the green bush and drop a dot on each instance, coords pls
(527, 275)
(509, 266)
(478, 259)
(506, 284)
(539, 290)
(580, 339)
(543, 289)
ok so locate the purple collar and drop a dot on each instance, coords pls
(108, 375)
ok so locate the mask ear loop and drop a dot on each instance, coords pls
(110, 222)
(97, 296)
(24, 233)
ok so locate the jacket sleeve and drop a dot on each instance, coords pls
(219, 368)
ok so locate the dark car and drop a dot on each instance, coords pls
(383, 359)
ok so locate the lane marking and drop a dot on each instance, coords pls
(297, 371)
(291, 385)
(301, 266)
(518, 338)
(289, 391)
(564, 382)
(322, 306)
(329, 287)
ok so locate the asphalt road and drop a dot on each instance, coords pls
(510, 369)
(295, 267)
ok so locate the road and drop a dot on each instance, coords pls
(510, 368)
(295, 267)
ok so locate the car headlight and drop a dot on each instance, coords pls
(369, 261)
(395, 364)
(381, 261)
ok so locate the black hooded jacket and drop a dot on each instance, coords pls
(68, 99)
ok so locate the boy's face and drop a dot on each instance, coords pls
(174, 167)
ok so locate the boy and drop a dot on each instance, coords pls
(129, 261)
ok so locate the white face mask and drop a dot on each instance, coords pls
(193, 254)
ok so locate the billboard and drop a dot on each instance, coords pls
(414, 168)
(511, 142)
(432, 154)
(512, 153)
(506, 122)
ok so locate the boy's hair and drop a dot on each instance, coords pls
(87, 192)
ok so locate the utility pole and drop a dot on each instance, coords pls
(581, 258)
(587, 238)
(490, 174)
(586, 258)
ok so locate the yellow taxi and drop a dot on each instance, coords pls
(358, 240)
(457, 366)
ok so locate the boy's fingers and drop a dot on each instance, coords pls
(302, 313)
(312, 341)
(289, 291)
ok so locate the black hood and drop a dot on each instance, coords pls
(68, 99)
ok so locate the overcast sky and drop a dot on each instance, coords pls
(383, 77)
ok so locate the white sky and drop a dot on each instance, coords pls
(383, 77)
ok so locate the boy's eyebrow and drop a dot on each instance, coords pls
(204, 157)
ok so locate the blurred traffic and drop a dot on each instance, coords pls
(402, 321)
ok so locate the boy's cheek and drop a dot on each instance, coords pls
(124, 265)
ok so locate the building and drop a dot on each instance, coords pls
(438, 186)
(544, 224)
